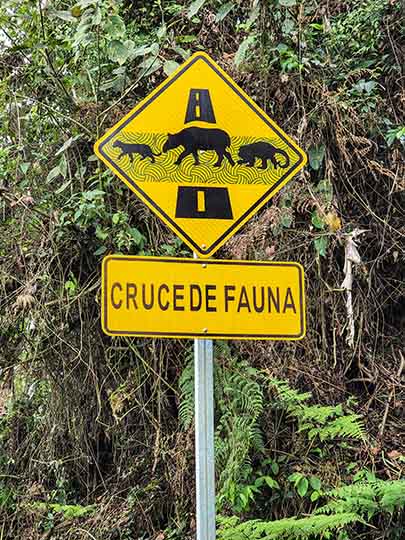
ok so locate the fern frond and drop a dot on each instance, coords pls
(319, 413)
(287, 396)
(325, 422)
(186, 384)
(256, 438)
(240, 402)
(310, 527)
(222, 349)
(392, 495)
(366, 498)
(350, 426)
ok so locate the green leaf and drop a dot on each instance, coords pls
(65, 146)
(102, 234)
(271, 482)
(288, 27)
(25, 166)
(97, 17)
(315, 496)
(182, 52)
(223, 11)
(138, 237)
(295, 477)
(117, 51)
(142, 50)
(286, 220)
(150, 65)
(315, 483)
(254, 14)
(321, 245)
(63, 187)
(85, 3)
(275, 467)
(71, 286)
(365, 86)
(162, 31)
(169, 66)
(93, 194)
(195, 8)
(100, 250)
(64, 15)
(394, 134)
(317, 220)
(115, 27)
(189, 38)
(244, 499)
(130, 46)
(287, 3)
(63, 166)
(302, 487)
(242, 52)
(325, 188)
(54, 173)
(282, 48)
(316, 155)
(69, 511)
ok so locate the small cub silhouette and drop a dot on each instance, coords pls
(264, 151)
(130, 150)
(195, 138)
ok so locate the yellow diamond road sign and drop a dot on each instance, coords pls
(201, 154)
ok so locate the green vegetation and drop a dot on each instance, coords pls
(96, 434)
(247, 477)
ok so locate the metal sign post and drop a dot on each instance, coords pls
(204, 438)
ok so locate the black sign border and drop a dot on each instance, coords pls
(137, 189)
(203, 335)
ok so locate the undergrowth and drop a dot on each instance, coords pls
(351, 504)
(247, 472)
(309, 434)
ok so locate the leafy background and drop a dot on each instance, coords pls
(96, 434)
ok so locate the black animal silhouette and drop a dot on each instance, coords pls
(129, 149)
(264, 151)
(195, 138)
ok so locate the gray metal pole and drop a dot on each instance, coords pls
(204, 438)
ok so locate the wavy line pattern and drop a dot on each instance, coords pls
(165, 170)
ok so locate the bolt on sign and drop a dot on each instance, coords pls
(185, 298)
(201, 154)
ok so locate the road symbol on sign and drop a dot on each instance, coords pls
(203, 202)
(199, 107)
(201, 154)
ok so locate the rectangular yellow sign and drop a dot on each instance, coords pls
(186, 298)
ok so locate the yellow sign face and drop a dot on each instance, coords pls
(201, 154)
(186, 298)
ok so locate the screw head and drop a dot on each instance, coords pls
(205, 330)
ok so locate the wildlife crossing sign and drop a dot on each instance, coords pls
(201, 154)
(183, 298)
